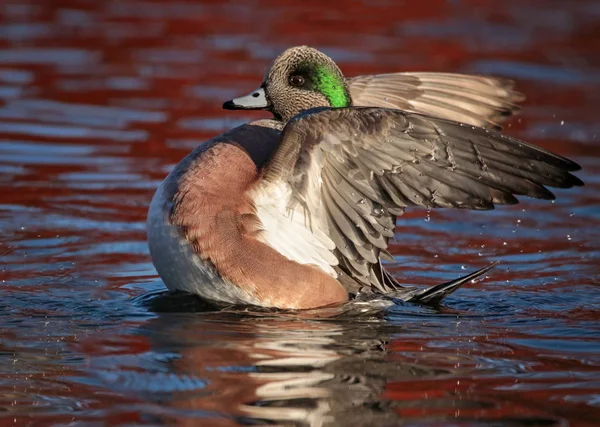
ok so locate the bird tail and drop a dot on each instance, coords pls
(437, 293)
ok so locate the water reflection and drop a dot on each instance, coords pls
(98, 100)
(271, 369)
(224, 368)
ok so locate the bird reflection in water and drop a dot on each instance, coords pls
(237, 366)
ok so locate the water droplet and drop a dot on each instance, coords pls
(463, 267)
(568, 237)
(571, 215)
(435, 256)
(562, 122)
(504, 243)
(362, 201)
(377, 210)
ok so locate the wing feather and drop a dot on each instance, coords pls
(366, 165)
(475, 100)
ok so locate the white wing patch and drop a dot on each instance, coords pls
(288, 230)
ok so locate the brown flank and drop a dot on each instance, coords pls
(219, 219)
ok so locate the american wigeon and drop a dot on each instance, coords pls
(296, 212)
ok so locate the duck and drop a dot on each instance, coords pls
(296, 211)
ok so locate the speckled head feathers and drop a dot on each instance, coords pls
(302, 78)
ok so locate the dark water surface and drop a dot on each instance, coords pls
(99, 99)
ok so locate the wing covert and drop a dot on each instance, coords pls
(368, 164)
(475, 100)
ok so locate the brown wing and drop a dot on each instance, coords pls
(371, 163)
(475, 100)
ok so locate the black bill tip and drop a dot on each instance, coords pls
(229, 105)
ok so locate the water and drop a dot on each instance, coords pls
(100, 99)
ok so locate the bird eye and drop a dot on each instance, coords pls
(296, 80)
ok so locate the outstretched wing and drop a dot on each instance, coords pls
(475, 100)
(348, 172)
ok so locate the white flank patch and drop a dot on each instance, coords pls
(289, 231)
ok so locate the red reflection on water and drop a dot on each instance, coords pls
(99, 99)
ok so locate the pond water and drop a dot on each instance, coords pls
(99, 99)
